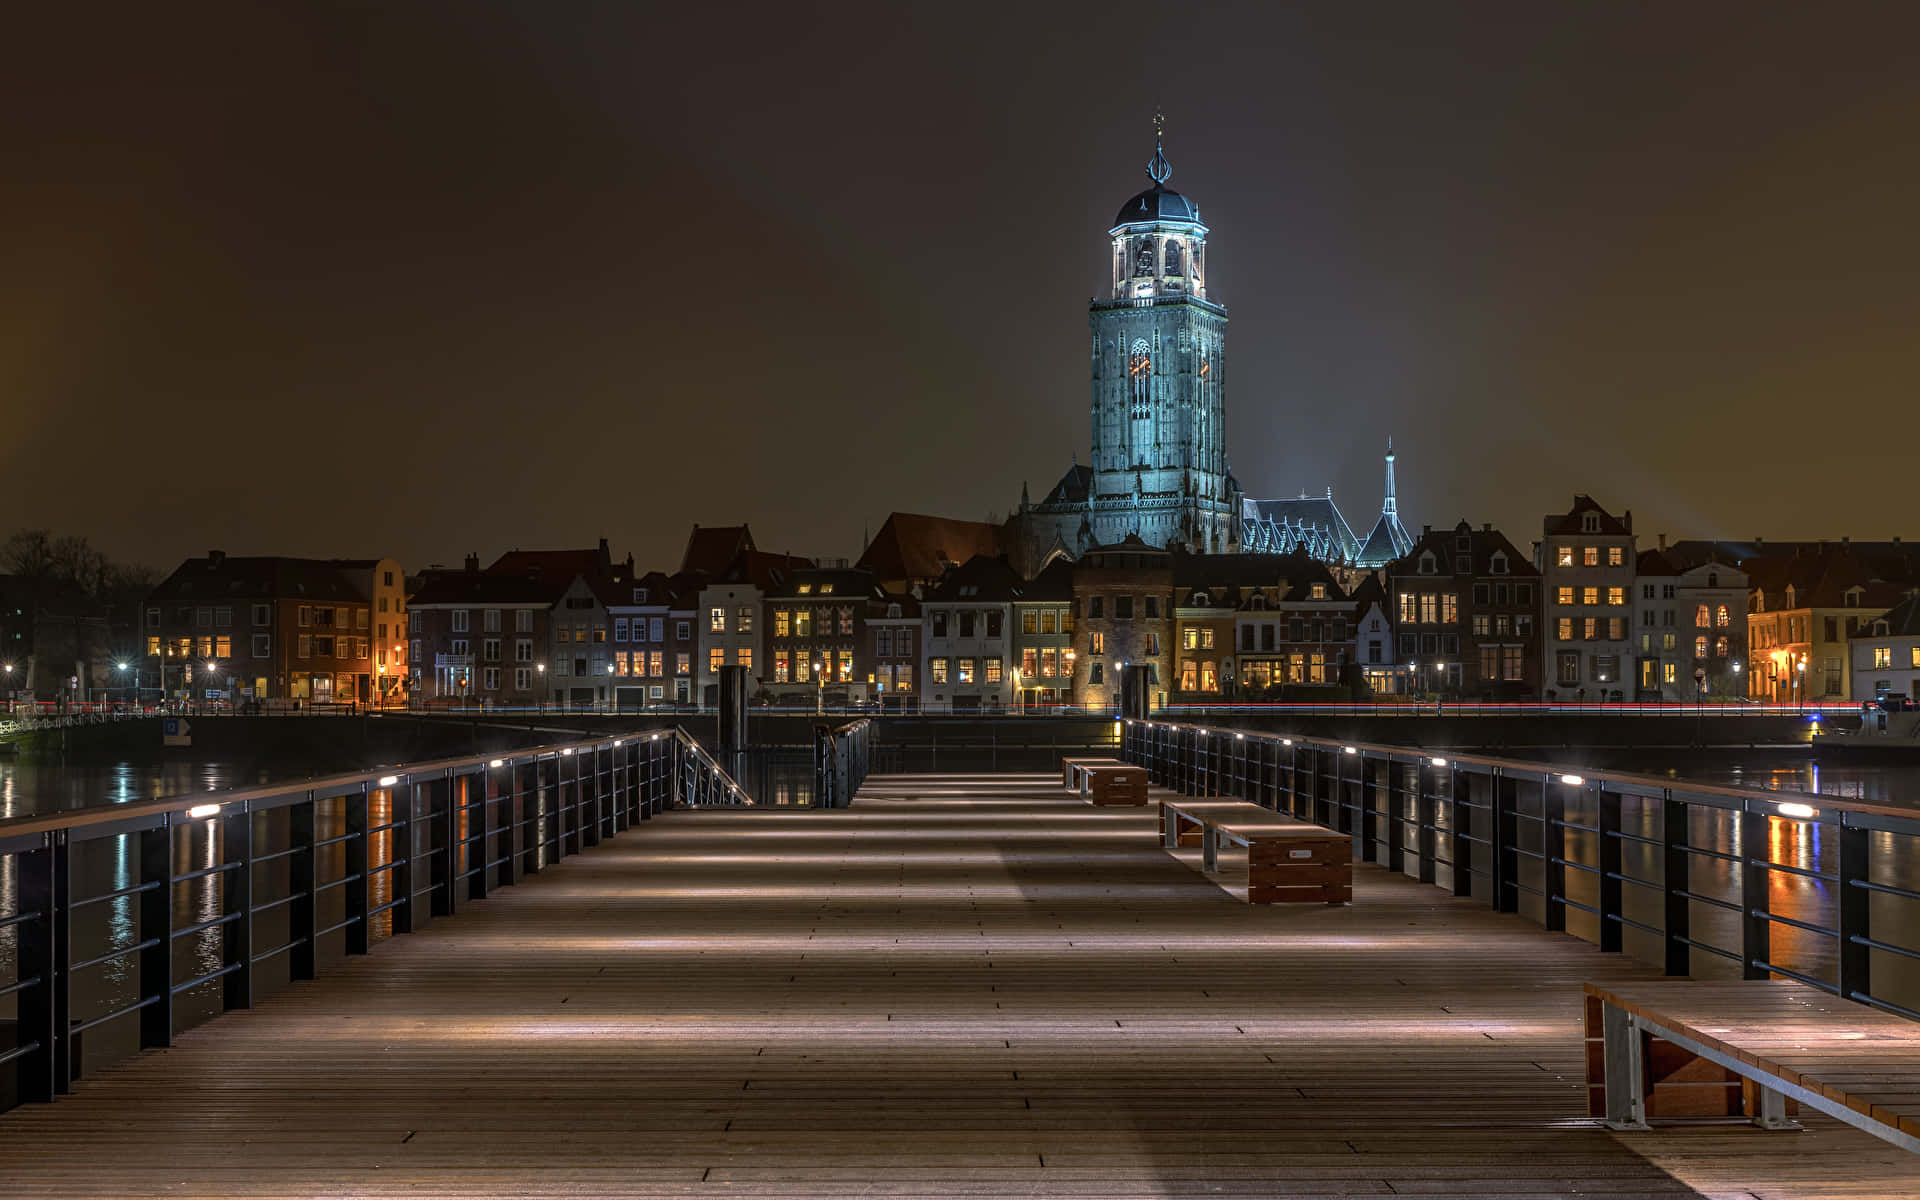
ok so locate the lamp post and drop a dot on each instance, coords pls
(540, 669)
(122, 668)
(9, 690)
(1800, 685)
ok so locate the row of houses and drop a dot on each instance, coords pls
(934, 616)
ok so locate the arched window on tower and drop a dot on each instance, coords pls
(1140, 379)
(1143, 259)
(1173, 258)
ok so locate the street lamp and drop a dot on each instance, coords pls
(122, 668)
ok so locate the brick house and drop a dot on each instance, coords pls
(1123, 606)
(1465, 609)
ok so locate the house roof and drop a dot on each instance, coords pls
(1054, 583)
(1388, 541)
(1572, 520)
(981, 579)
(713, 548)
(844, 583)
(1482, 544)
(1653, 562)
(220, 576)
(1903, 620)
(1310, 521)
(465, 588)
(592, 562)
(917, 546)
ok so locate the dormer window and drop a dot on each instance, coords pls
(1590, 522)
(1462, 542)
(1199, 600)
(1427, 564)
(1498, 564)
(1258, 603)
(1318, 592)
(639, 595)
(1853, 597)
(1881, 629)
(893, 610)
(1713, 579)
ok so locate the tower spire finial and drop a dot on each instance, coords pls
(1158, 168)
(1391, 506)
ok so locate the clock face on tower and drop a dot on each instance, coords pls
(1139, 365)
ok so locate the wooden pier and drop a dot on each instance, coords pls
(970, 986)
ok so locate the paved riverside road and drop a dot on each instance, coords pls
(961, 986)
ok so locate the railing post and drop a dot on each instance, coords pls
(156, 921)
(1756, 931)
(444, 868)
(1854, 978)
(1460, 823)
(1506, 838)
(43, 955)
(1678, 915)
(1425, 816)
(236, 896)
(403, 802)
(526, 819)
(1396, 818)
(359, 856)
(302, 874)
(1610, 855)
(1553, 853)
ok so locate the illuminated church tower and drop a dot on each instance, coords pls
(1159, 466)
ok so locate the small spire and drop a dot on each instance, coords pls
(1158, 168)
(1390, 506)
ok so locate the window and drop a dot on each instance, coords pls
(782, 623)
(883, 643)
(1883, 656)
(1616, 556)
(716, 658)
(654, 664)
(782, 666)
(1590, 595)
(1702, 617)
(459, 620)
(1096, 606)
(1617, 629)
(1590, 556)
(306, 645)
(415, 656)
(1915, 664)
(1123, 608)
(600, 634)
(963, 670)
(490, 620)
(1408, 609)
(1096, 643)
(1720, 647)
(683, 664)
(743, 620)
(993, 623)
(744, 656)
(1449, 608)
(992, 674)
(846, 664)
(1563, 556)
(1590, 628)
(1563, 596)
(1049, 662)
(966, 623)
(803, 622)
(903, 645)
(802, 667)
(1481, 626)
(1029, 662)
(222, 617)
(490, 650)
(1095, 674)
(619, 629)
(262, 645)
(490, 679)
(1700, 647)
(1429, 609)
(1153, 643)
(1721, 617)
(1511, 663)
(1616, 595)
(937, 670)
(1317, 592)
(562, 665)
(939, 621)
(1030, 622)
(1189, 675)
(523, 621)
(303, 615)
(1153, 607)
(716, 620)
(903, 677)
(1669, 672)
(522, 679)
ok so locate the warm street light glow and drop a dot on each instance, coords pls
(1351, 750)
(389, 780)
(1798, 810)
(1572, 780)
(497, 763)
(1439, 762)
(203, 810)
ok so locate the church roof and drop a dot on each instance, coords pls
(913, 546)
(1310, 521)
(1074, 487)
(1157, 203)
(1388, 541)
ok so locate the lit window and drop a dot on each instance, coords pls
(1449, 609)
(1563, 596)
(1616, 595)
(1189, 675)
(937, 670)
(803, 623)
(993, 670)
(1883, 656)
(683, 664)
(1669, 672)
(1700, 647)
(1590, 556)
(1616, 556)
(1702, 617)
(1590, 595)
(717, 620)
(1096, 643)
(1564, 556)
(1050, 662)
(963, 670)
(744, 619)
(1029, 662)
(745, 655)
(1721, 617)
(846, 666)
(782, 622)
(716, 658)
(1565, 630)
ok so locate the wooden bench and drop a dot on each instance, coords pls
(1288, 860)
(1114, 785)
(1779, 1041)
(1073, 771)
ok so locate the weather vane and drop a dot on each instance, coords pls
(1158, 168)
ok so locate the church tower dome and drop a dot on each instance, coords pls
(1159, 242)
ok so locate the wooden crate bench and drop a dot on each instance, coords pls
(1114, 784)
(1288, 860)
(1073, 771)
(1784, 1042)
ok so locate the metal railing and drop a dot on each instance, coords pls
(270, 873)
(841, 757)
(1682, 875)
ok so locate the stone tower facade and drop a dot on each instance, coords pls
(1159, 381)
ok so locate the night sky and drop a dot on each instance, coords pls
(420, 279)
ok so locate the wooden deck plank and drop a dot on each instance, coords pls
(960, 987)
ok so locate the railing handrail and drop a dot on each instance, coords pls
(263, 796)
(1658, 785)
(692, 745)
